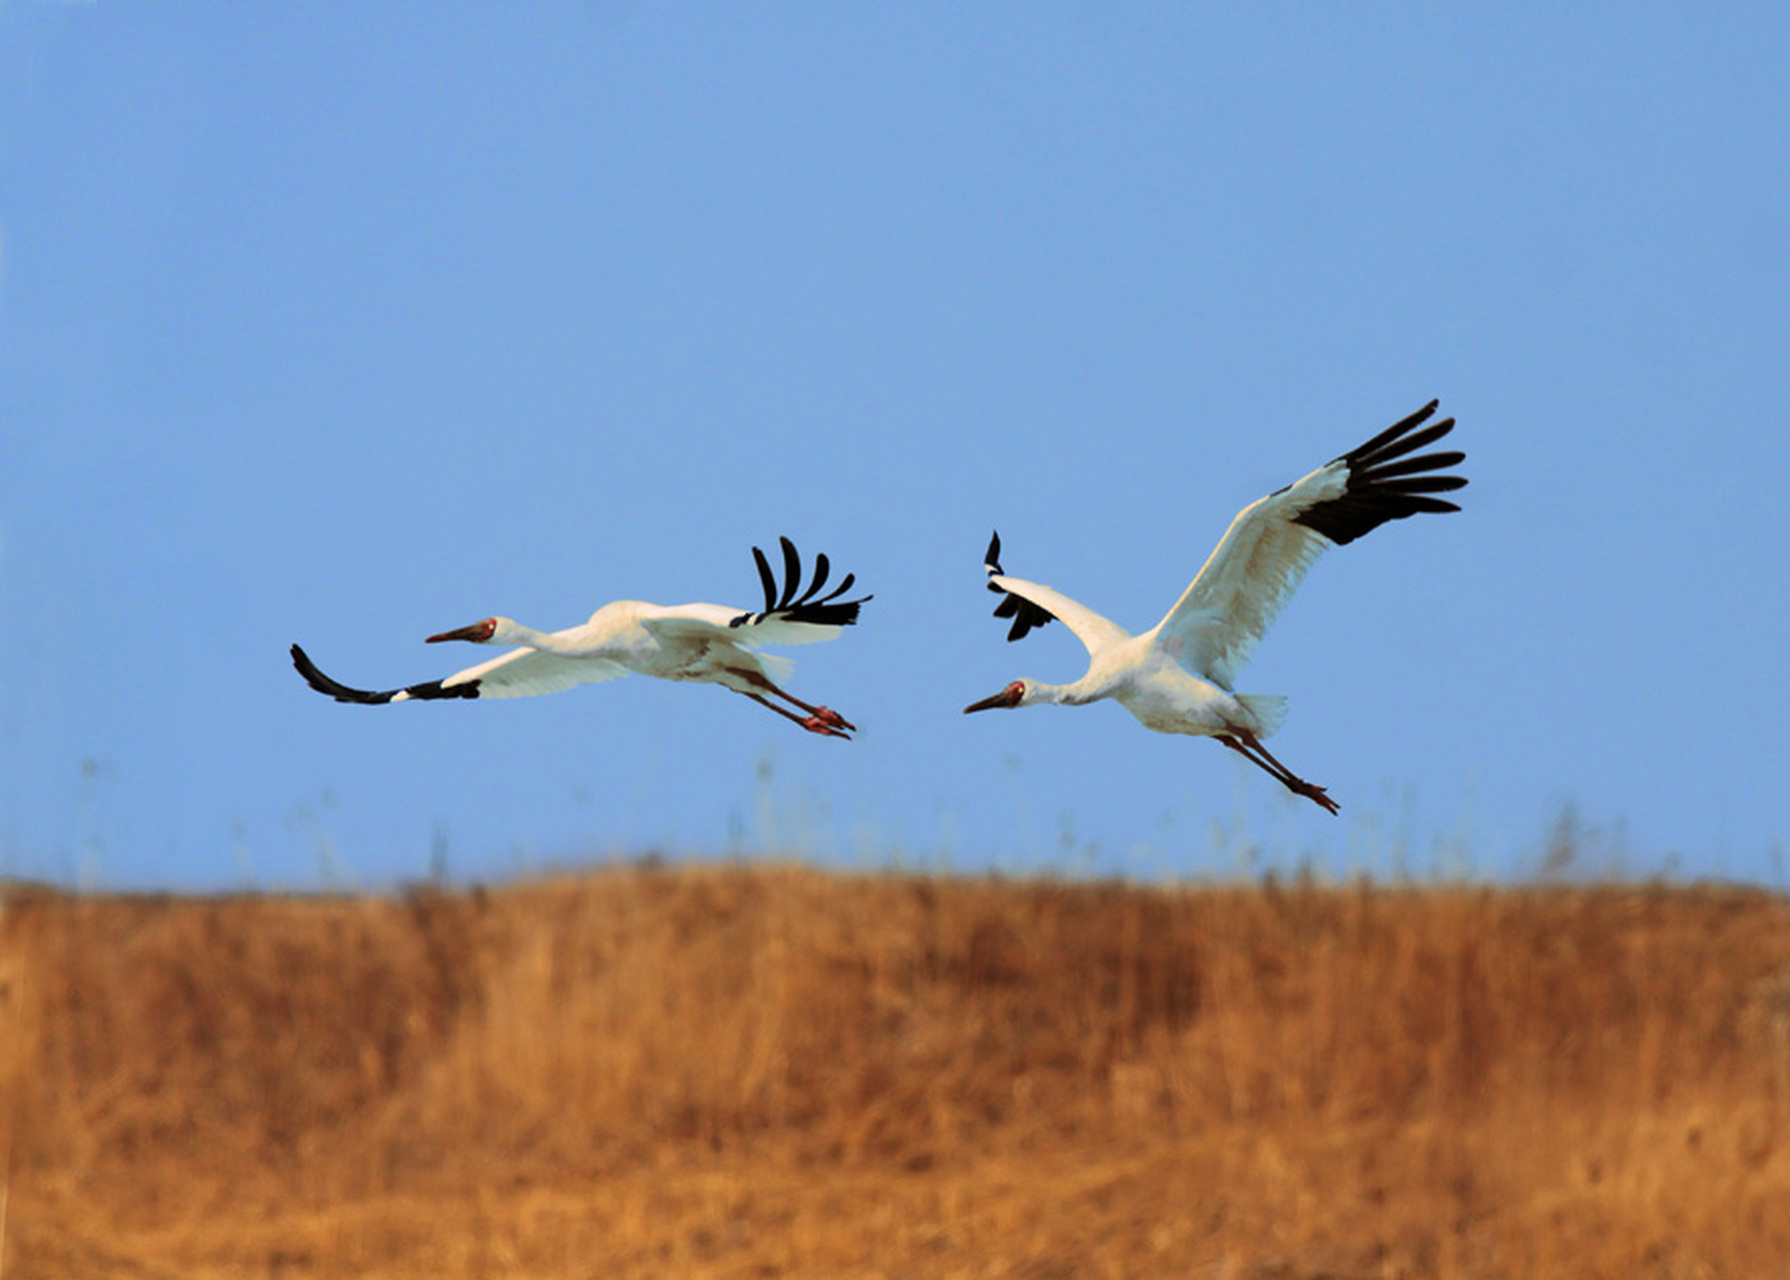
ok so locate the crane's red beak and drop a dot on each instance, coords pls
(478, 633)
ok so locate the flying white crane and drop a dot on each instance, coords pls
(1177, 677)
(702, 642)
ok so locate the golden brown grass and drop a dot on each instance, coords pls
(772, 1071)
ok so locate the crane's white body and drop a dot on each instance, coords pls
(1146, 674)
(632, 637)
(706, 643)
(1179, 676)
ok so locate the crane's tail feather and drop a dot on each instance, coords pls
(1269, 710)
(810, 606)
(777, 666)
(342, 693)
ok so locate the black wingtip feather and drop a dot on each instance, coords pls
(313, 676)
(793, 604)
(1399, 447)
(1385, 484)
(1441, 506)
(821, 570)
(1393, 432)
(792, 573)
(766, 580)
(1026, 615)
(1423, 462)
(372, 697)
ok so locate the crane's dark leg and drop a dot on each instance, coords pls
(821, 716)
(1279, 775)
(1246, 744)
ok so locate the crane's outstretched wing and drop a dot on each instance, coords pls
(1263, 556)
(786, 617)
(722, 623)
(517, 674)
(1032, 604)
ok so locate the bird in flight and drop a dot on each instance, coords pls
(707, 643)
(1178, 677)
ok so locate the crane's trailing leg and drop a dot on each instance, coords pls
(819, 719)
(1246, 744)
(807, 722)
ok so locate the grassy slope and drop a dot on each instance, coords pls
(771, 1071)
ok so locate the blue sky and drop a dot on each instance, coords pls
(346, 324)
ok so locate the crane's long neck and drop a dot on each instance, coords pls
(1075, 694)
(511, 632)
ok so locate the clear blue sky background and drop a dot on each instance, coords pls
(346, 324)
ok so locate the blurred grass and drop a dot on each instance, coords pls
(733, 1071)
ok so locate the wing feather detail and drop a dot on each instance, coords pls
(808, 607)
(1032, 604)
(333, 688)
(1265, 554)
(1027, 615)
(524, 673)
(1378, 487)
(519, 673)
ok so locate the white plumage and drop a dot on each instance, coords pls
(707, 643)
(1178, 676)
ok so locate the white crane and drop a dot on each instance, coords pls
(702, 642)
(1177, 677)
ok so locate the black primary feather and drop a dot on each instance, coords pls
(769, 582)
(1026, 615)
(792, 572)
(1381, 487)
(821, 570)
(809, 606)
(342, 693)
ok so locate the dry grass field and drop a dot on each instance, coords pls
(770, 1071)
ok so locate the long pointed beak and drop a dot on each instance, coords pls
(1001, 699)
(475, 633)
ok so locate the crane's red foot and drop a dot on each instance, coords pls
(831, 718)
(828, 726)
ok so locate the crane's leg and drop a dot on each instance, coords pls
(1246, 744)
(824, 717)
(810, 723)
(1280, 775)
